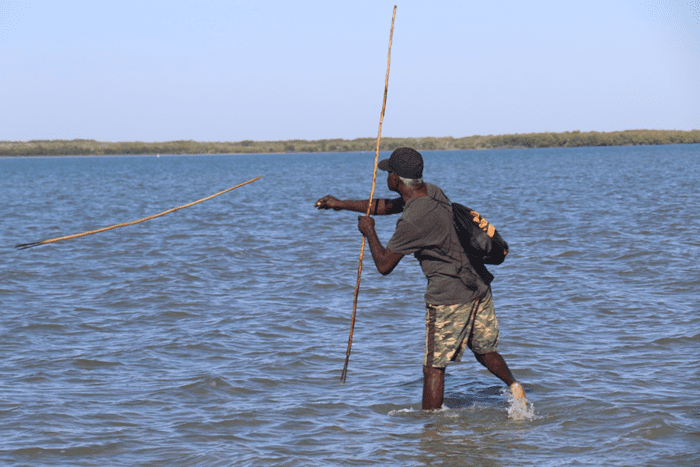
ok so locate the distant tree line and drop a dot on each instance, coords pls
(88, 147)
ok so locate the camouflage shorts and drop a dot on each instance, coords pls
(450, 329)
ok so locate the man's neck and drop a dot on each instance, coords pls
(408, 193)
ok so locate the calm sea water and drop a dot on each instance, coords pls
(216, 335)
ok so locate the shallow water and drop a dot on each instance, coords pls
(216, 335)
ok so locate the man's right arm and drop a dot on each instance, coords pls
(380, 207)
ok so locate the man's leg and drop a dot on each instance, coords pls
(433, 387)
(485, 335)
(498, 366)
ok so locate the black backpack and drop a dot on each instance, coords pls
(481, 241)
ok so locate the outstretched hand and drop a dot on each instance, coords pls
(327, 202)
(365, 224)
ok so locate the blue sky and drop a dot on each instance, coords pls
(210, 70)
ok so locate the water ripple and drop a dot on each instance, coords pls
(216, 335)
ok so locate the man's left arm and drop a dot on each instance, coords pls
(385, 259)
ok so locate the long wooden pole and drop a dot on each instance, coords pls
(369, 204)
(24, 246)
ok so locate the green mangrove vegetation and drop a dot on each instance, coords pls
(88, 147)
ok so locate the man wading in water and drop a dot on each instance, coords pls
(458, 303)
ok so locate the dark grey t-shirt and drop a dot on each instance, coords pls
(426, 230)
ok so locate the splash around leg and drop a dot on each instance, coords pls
(520, 408)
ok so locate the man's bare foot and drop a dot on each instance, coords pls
(518, 392)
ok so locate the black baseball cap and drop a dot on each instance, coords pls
(405, 162)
